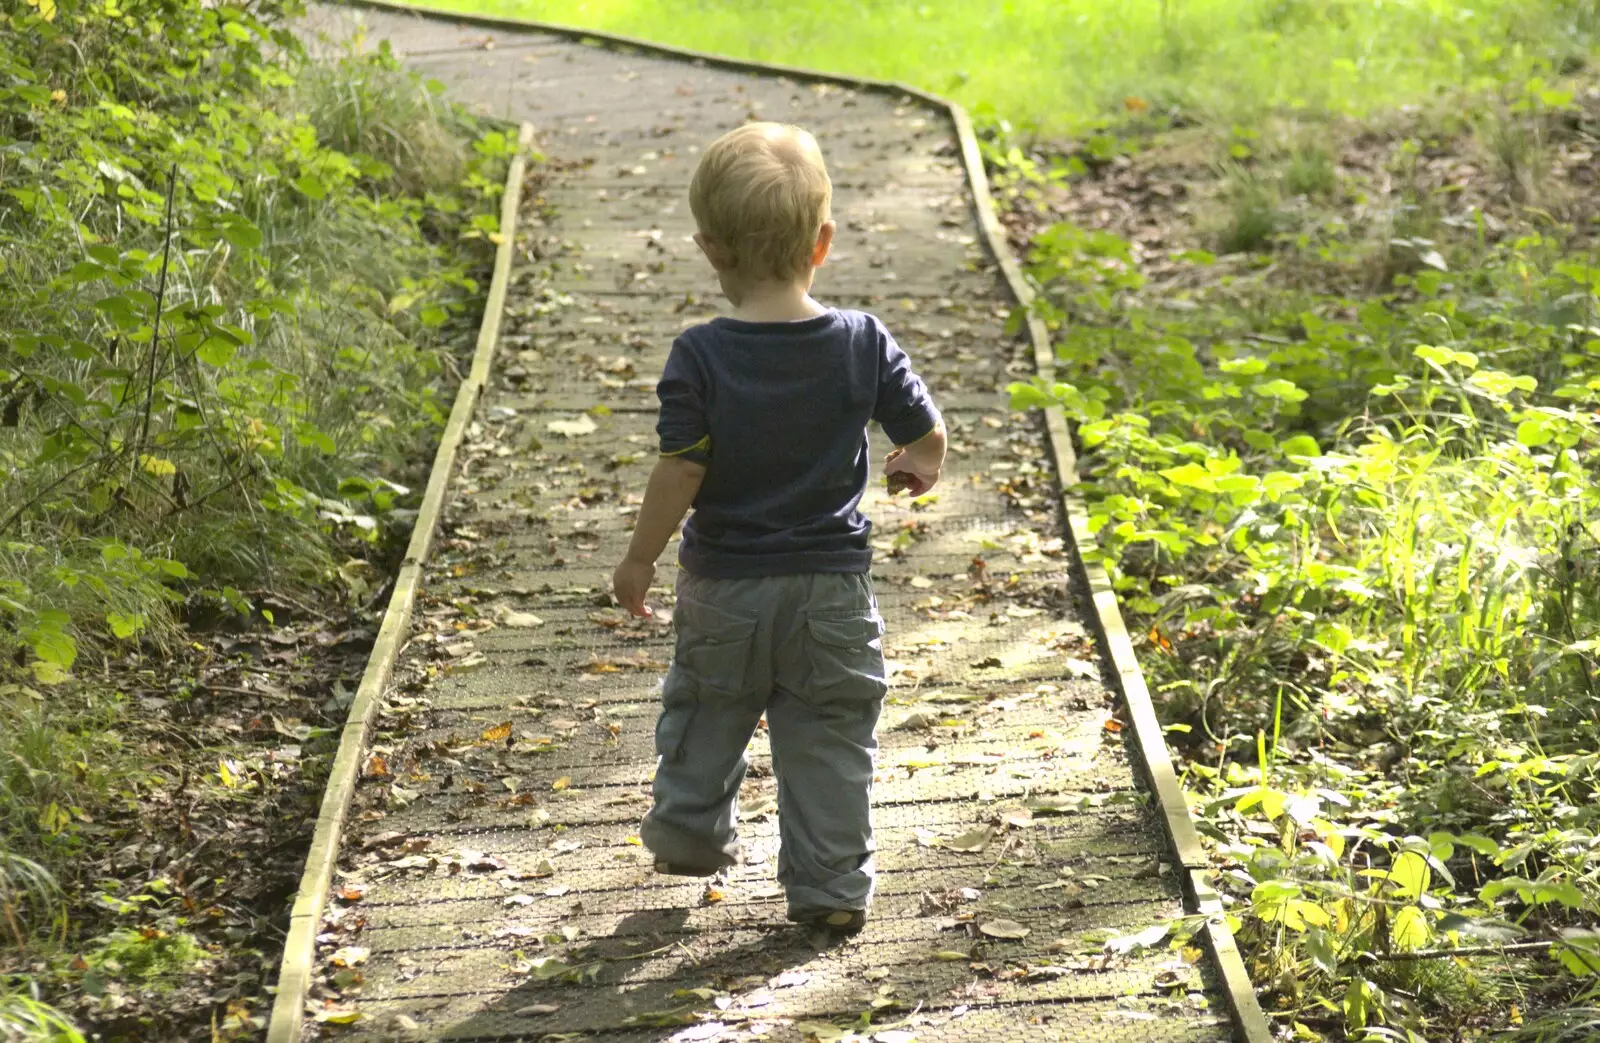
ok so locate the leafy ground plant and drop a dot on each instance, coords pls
(1345, 481)
(232, 284)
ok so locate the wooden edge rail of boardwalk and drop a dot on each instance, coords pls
(299, 951)
(624, 92)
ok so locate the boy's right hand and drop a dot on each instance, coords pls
(906, 473)
(631, 582)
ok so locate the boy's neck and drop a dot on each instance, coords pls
(773, 300)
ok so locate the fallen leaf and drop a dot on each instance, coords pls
(789, 979)
(975, 840)
(521, 619)
(353, 892)
(949, 956)
(338, 1017)
(535, 1009)
(350, 956)
(479, 862)
(573, 428)
(1082, 668)
(562, 783)
(377, 767)
(497, 733)
(1007, 929)
(1017, 817)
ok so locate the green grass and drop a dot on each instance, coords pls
(1064, 64)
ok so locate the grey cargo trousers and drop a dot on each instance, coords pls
(806, 650)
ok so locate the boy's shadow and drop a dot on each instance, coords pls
(653, 974)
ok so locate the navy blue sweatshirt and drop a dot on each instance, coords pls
(778, 412)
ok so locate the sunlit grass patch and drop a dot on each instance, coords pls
(1066, 64)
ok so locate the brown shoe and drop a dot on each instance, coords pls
(836, 921)
(681, 869)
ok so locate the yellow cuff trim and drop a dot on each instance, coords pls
(702, 446)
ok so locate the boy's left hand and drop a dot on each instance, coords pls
(630, 583)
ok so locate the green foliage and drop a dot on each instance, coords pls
(221, 293)
(229, 282)
(27, 1019)
(145, 956)
(1363, 533)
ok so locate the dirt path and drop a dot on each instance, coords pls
(493, 886)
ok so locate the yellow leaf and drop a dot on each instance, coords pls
(635, 841)
(496, 238)
(227, 777)
(562, 783)
(156, 465)
(47, 672)
(47, 9)
(497, 733)
(54, 818)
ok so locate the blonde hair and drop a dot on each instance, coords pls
(761, 193)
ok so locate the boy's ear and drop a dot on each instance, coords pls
(819, 252)
(714, 253)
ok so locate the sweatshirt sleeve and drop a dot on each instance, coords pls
(904, 409)
(682, 426)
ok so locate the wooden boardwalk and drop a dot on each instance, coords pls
(491, 885)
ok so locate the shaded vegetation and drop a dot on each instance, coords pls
(231, 287)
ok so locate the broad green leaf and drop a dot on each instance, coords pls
(1534, 432)
(1443, 357)
(125, 625)
(1497, 383)
(311, 186)
(1282, 390)
(1409, 928)
(241, 233)
(1320, 947)
(1191, 476)
(216, 351)
(1300, 445)
(1410, 874)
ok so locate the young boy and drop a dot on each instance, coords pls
(763, 430)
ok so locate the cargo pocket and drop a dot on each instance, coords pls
(846, 657)
(714, 648)
(678, 704)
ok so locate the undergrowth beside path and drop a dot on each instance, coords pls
(1337, 393)
(233, 286)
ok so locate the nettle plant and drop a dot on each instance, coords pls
(219, 320)
(1369, 527)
